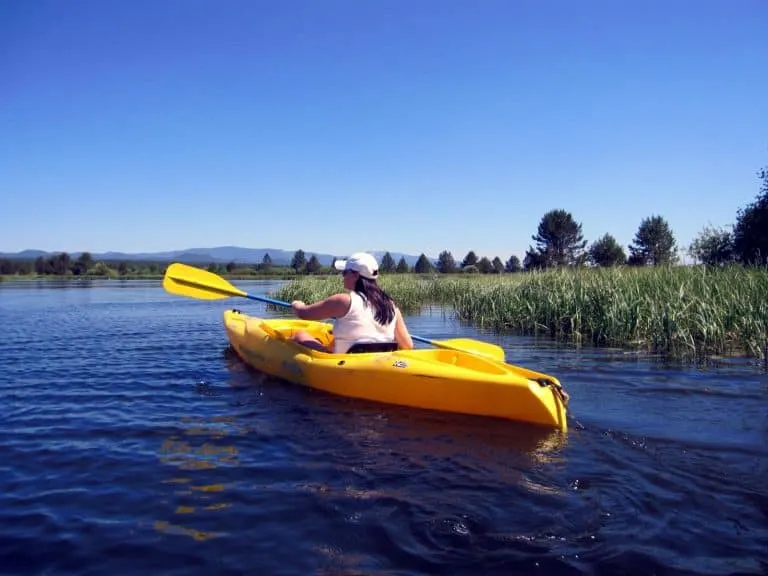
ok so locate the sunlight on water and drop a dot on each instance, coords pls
(198, 449)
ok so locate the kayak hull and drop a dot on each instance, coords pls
(436, 379)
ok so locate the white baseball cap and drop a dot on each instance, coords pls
(360, 262)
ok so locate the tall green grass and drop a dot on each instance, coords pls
(679, 311)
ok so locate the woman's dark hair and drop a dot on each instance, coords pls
(382, 302)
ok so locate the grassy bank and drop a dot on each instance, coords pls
(680, 311)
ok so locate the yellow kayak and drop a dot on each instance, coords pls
(436, 379)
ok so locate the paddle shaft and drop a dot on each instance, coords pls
(267, 300)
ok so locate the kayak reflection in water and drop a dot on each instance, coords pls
(364, 314)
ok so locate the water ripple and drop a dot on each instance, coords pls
(132, 440)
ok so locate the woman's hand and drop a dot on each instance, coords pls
(298, 306)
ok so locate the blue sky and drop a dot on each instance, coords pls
(410, 126)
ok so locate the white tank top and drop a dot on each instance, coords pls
(359, 325)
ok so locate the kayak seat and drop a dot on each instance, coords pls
(363, 347)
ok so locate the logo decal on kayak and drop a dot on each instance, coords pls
(293, 368)
(400, 364)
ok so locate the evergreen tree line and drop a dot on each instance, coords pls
(559, 242)
(62, 264)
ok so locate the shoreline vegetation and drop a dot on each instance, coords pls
(684, 312)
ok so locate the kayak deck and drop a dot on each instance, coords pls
(436, 379)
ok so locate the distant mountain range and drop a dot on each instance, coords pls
(219, 255)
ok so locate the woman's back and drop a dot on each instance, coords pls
(359, 325)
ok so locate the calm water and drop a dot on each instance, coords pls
(131, 441)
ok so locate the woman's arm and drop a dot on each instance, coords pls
(402, 336)
(332, 307)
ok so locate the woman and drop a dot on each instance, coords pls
(364, 314)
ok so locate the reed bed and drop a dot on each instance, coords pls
(678, 311)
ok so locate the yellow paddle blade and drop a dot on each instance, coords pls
(193, 282)
(473, 347)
